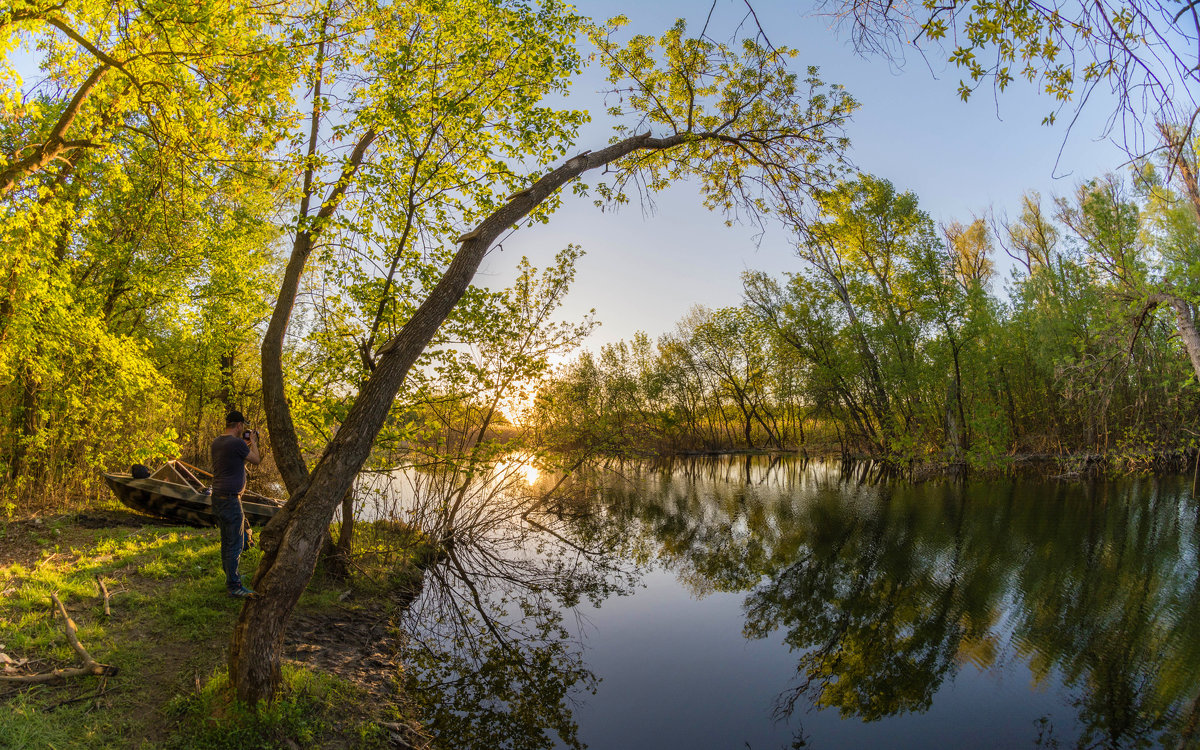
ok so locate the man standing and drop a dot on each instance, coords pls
(230, 452)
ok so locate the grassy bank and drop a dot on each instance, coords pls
(167, 636)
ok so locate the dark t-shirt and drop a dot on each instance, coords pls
(229, 464)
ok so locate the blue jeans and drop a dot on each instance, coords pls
(228, 509)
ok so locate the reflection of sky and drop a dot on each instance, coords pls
(676, 672)
(673, 637)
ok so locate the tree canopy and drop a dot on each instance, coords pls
(1144, 54)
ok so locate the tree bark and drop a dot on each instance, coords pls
(1185, 323)
(292, 540)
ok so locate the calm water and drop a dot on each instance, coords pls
(754, 603)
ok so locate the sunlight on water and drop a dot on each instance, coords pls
(531, 473)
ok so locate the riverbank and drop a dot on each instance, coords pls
(1067, 466)
(165, 641)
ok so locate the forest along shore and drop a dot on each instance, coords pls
(164, 642)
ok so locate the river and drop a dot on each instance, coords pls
(779, 603)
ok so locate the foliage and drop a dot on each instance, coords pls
(136, 253)
(893, 341)
(1142, 51)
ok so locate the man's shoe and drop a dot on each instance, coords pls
(241, 592)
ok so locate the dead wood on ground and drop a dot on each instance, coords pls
(90, 665)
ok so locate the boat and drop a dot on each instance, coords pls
(176, 492)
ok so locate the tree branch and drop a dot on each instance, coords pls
(284, 441)
(90, 665)
(55, 144)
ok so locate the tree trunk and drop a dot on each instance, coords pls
(1185, 323)
(225, 393)
(335, 564)
(345, 540)
(335, 556)
(953, 423)
(284, 442)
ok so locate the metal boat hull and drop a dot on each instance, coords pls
(182, 503)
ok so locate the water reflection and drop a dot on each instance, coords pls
(492, 661)
(881, 593)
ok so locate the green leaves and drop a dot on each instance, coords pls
(759, 136)
(1144, 50)
(140, 249)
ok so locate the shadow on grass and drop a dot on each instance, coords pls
(170, 626)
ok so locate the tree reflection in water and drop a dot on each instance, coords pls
(883, 590)
(490, 661)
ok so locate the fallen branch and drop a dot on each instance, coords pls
(101, 692)
(90, 665)
(396, 733)
(104, 593)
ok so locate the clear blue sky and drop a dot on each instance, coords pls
(644, 272)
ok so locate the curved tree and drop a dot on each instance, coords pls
(755, 135)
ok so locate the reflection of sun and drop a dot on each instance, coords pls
(518, 468)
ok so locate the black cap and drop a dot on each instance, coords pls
(234, 417)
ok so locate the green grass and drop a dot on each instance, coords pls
(169, 632)
(303, 713)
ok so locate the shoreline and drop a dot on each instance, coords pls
(1067, 466)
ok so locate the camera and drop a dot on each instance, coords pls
(246, 435)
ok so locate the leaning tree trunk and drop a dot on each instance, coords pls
(1185, 322)
(1185, 319)
(292, 540)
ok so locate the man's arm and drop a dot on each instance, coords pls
(253, 456)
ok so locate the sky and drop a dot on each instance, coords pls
(645, 270)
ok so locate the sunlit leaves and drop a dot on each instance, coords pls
(1141, 54)
(139, 252)
(762, 135)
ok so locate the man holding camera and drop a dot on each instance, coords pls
(230, 452)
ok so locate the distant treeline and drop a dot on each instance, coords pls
(901, 339)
